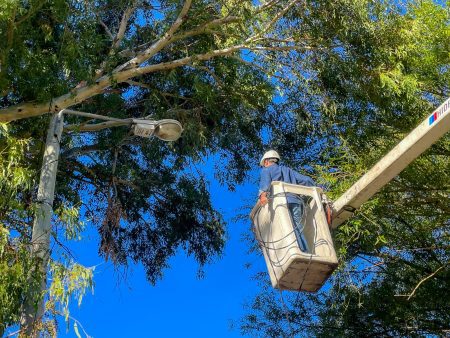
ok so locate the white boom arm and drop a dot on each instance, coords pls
(419, 140)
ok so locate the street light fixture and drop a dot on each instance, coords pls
(166, 130)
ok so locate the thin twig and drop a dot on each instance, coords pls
(213, 75)
(78, 323)
(267, 5)
(205, 27)
(106, 28)
(283, 48)
(138, 84)
(423, 280)
(273, 21)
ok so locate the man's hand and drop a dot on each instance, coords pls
(263, 199)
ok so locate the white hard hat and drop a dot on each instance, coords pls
(269, 154)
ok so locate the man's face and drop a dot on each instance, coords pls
(267, 163)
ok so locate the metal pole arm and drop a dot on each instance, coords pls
(110, 122)
(96, 116)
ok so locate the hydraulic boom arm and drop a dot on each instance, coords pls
(419, 140)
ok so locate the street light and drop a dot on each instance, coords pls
(166, 130)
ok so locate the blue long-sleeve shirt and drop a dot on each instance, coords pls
(281, 173)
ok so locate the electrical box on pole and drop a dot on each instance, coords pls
(292, 268)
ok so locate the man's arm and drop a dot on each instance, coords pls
(264, 186)
(304, 180)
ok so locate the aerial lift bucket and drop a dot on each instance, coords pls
(289, 267)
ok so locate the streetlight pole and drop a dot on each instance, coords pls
(166, 130)
(41, 226)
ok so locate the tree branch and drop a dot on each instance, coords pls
(106, 28)
(80, 94)
(266, 5)
(79, 151)
(123, 25)
(176, 63)
(205, 27)
(283, 48)
(423, 280)
(161, 43)
(213, 75)
(125, 72)
(273, 21)
(116, 40)
(138, 84)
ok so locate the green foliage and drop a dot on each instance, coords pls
(69, 216)
(13, 149)
(147, 199)
(16, 279)
(67, 282)
(387, 70)
(362, 75)
(19, 279)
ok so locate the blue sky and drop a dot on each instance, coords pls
(181, 304)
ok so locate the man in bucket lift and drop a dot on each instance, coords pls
(271, 171)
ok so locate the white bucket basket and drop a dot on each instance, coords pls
(289, 267)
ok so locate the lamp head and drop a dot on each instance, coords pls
(166, 130)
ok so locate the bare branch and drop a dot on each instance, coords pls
(423, 280)
(126, 74)
(116, 40)
(213, 75)
(79, 151)
(80, 94)
(16, 332)
(106, 28)
(283, 48)
(273, 21)
(206, 27)
(138, 84)
(267, 5)
(161, 43)
(123, 25)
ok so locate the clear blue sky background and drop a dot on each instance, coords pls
(180, 305)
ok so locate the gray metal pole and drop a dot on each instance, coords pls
(42, 227)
